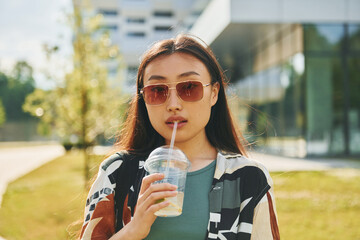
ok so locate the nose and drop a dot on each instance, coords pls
(174, 102)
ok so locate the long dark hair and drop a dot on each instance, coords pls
(138, 135)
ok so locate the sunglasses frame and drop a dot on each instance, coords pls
(169, 88)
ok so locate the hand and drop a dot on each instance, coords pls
(148, 203)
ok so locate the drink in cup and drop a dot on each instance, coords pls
(174, 164)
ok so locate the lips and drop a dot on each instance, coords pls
(171, 121)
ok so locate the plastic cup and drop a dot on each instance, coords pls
(174, 164)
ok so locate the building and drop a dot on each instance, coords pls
(297, 64)
(294, 64)
(135, 24)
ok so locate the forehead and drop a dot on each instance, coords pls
(174, 65)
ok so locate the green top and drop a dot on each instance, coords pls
(192, 223)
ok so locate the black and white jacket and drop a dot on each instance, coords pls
(241, 199)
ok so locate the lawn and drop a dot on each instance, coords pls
(318, 205)
(48, 203)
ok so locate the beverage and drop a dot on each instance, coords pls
(174, 164)
(175, 207)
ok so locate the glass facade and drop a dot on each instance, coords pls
(353, 68)
(303, 89)
(332, 86)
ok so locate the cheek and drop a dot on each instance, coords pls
(202, 114)
(154, 116)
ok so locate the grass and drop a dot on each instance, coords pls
(318, 205)
(48, 203)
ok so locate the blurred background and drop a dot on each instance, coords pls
(292, 65)
(68, 70)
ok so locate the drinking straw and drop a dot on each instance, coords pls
(172, 141)
(173, 135)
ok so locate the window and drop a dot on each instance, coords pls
(323, 37)
(136, 34)
(354, 36)
(196, 13)
(112, 27)
(135, 20)
(163, 28)
(131, 77)
(163, 14)
(108, 12)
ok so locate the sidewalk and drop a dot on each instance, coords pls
(277, 163)
(17, 161)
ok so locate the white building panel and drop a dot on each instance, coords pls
(256, 10)
(314, 11)
(353, 10)
(207, 26)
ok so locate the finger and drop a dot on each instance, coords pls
(146, 182)
(159, 187)
(156, 197)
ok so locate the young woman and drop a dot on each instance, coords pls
(227, 196)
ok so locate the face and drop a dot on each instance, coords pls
(192, 117)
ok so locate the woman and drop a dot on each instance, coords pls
(227, 196)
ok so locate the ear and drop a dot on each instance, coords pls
(214, 93)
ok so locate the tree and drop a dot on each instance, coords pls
(14, 88)
(84, 105)
(2, 113)
(3, 86)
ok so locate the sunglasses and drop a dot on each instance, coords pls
(188, 91)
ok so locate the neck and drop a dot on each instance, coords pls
(199, 152)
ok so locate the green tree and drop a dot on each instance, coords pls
(84, 105)
(2, 113)
(14, 88)
(3, 86)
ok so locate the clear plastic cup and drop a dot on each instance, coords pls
(175, 173)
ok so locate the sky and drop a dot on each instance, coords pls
(25, 26)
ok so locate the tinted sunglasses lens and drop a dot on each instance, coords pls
(155, 94)
(190, 91)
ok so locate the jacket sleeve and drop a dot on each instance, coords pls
(99, 222)
(265, 225)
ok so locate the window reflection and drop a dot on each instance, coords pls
(323, 37)
(354, 37)
(354, 111)
(306, 98)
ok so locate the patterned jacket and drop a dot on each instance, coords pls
(241, 199)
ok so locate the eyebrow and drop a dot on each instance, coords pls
(185, 74)
(156, 77)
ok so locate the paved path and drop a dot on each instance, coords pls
(17, 161)
(277, 163)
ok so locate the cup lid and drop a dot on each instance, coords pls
(163, 153)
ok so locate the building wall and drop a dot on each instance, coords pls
(306, 99)
(135, 25)
(332, 57)
(274, 88)
(297, 63)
